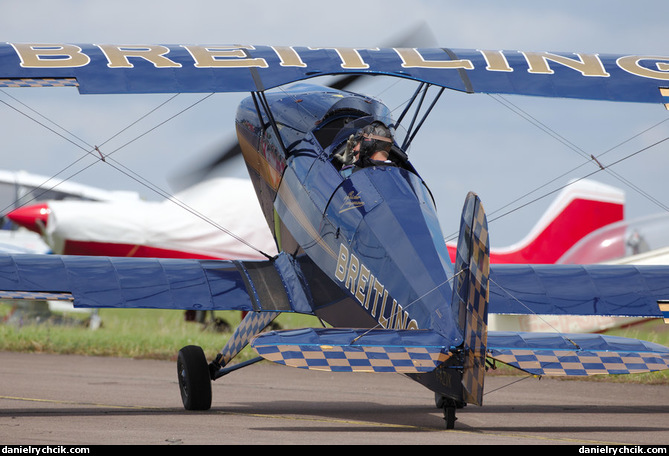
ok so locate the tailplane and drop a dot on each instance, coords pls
(470, 295)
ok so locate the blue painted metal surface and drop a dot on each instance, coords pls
(154, 283)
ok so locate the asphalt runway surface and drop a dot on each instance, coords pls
(78, 400)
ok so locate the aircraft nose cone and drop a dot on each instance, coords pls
(32, 217)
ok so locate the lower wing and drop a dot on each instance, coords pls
(103, 282)
(606, 290)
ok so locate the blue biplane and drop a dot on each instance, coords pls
(360, 244)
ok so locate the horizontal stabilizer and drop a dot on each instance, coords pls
(576, 354)
(354, 350)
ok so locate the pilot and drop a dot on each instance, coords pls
(370, 146)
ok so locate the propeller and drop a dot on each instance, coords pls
(419, 35)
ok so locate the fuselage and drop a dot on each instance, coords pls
(373, 236)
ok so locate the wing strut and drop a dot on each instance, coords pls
(411, 132)
(252, 324)
(260, 99)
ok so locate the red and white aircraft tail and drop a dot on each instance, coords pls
(162, 229)
(578, 210)
(158, 229)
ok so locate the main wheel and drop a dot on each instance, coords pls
(194, 380)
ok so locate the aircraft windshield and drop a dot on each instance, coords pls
(620, 240)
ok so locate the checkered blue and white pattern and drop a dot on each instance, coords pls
(471, 293)
(38, 82)
(252, 324)
(581, 363)
(355, 358)
(36, 296)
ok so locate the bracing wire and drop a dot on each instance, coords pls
(106, 158)
(589, 159)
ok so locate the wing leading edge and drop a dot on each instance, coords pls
(108, 68)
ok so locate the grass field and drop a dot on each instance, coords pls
(159, 334)
(133, 333)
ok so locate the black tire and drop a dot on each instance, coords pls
(449, 416)
(194, 380)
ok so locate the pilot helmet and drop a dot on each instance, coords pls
(373, 137)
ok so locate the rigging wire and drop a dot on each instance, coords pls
(585, 177)
(509, 384)
(454, 235)
(86, 147)
(95, 151)
(589, 158)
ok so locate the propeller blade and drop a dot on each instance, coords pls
(419, 35)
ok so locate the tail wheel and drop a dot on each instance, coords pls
(449, 416)
(194, 380)
(449, 406)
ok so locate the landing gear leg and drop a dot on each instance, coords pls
(194, 380)
(195, 374)
(252, 324)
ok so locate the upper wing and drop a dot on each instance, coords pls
(89, 281)
(611, 290)
(219, 68)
